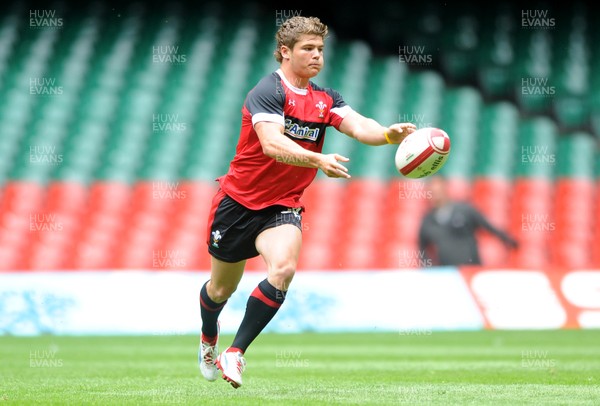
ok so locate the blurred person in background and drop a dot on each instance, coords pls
(447, 235)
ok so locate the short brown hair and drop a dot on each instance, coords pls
(290, 31)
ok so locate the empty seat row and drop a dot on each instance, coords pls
(364, 224)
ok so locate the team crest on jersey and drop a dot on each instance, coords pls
(300, 132)
(321, 106)
(216, 237)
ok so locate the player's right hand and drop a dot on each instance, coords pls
(331, 166)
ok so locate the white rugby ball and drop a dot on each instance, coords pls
(422, 153)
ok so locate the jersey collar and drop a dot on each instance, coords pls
(294, 89)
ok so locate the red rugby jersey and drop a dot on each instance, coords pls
(256, 180)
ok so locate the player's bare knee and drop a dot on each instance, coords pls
(281, 276)
(219, 293)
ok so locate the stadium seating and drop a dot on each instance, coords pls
(325, 206)
(459, 118)
(117, 168)
(492, 196)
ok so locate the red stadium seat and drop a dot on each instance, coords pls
(529, 256)
(532, 221)
(492, 251)
(12, 238)
(490, 191)
(404, 206)
(574, 213)
(533, 226)
(15, 233)
(403, 255)
(90, 255)
(408, 202)
(22, 197)
(196, 195)
(492, 197)
(323, 224)
(459, 189)
(359, 255)
(66, 196)
(356, 224)
(596, 228)
(256, 264)
(363, 220)
(189, 246)
(202, 259)
(11, 259)
(53, 237)
(532, 191)
(47, 256)
(155, 197)
(317, 257)
(187, 222)
(109, 196)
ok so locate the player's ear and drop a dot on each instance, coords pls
(285, 52)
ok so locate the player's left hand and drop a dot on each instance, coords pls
(397, 132)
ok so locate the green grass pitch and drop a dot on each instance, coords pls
(413, 368)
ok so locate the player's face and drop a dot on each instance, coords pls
(306, 58)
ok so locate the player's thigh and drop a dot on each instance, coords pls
(280, 248)
(224, 277)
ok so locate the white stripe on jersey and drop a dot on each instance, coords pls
(273, 118)
(342, 111)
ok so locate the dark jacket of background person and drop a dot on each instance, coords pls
(447, 233)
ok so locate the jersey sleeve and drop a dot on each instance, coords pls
(265, 102)
(339, 108)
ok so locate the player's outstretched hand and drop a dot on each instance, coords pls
(331, 166)
(397, 132)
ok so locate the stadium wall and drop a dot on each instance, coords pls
(414, 302)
